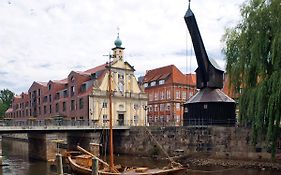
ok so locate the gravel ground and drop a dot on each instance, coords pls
(227, 163)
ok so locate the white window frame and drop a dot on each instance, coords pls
(161, 82)
(153, 83)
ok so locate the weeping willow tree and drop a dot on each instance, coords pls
(253, 55)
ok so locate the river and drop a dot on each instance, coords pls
(15, 154)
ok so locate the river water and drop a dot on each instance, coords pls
(15, 154)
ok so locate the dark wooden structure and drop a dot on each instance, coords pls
(210, 106)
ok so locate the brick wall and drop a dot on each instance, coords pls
(219, 142)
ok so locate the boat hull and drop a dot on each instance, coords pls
(77, 169)
(80, 170)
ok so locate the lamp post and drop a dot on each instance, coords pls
(145, 114)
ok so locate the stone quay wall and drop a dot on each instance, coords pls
(212, 141)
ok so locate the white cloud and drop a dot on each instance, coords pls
(46, 39)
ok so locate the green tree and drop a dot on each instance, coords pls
(253, 55)
(6, 97)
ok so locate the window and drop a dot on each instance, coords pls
(168, 107)
(57, 107)
(104, 105)
(72, 90)
(104, 118)
(81, 103)
(162, 95)
(45, 99)
(65, 93)
(45, 109)
(156, 96)
(168, 94)
(162, 107)
(156, 118)
(155, 108)
(178, 118)
(145, 85)
(72, 78)
(205, 106)
(153, 83)
(178, 105)
(39, 101)
(83, 88)
(49, 87)
(63, 106)
(121, 86)
(150, 108)
(161, 82)
(72, 106)
(50, 98)
(136, 119)
(50, 109)
(178, 95)
(121, 76)
(57, 96)
(161, 118)
(136, 106)
(39, 92)
(183, 95)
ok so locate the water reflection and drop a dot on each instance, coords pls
(15, 153)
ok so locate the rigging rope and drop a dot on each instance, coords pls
(162, 149)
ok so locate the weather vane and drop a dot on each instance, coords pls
(118, 30)
(189, 4)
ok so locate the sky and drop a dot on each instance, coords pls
(42, 40)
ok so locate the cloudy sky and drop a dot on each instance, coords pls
(43, 40)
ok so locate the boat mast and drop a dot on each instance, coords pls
(111, 158)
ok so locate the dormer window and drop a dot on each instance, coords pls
(83, 88)
(153, 83)
(145, 85)
(72, 79)
(161, 82)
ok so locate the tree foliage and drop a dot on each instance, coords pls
(6, 97)
(253, 55)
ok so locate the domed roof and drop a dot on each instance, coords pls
(118, 42)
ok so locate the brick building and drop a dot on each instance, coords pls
(83, 96)
(167, 88)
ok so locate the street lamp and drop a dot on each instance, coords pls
(145, 107)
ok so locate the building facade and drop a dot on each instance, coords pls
(167, 89)
(83, 96)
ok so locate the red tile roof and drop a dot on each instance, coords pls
(95, 69)
(42, 83)
(171, 74)
(63, 81)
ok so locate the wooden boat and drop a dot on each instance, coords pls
(78, 169)
(82, 164)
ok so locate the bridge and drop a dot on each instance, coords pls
(10, 127)
(55, 129)
(41, 135)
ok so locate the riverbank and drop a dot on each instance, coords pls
(229, 163)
